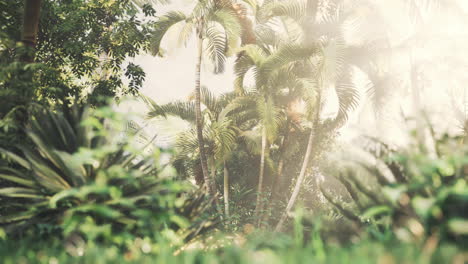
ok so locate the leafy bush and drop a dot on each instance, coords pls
(81, 177)
(425, 196)
(258, 248)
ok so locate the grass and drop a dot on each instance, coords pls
(255, 250)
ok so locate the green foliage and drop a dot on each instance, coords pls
(215, 24)
(113, 32)
(254, 248)
(73, 60)
(77, 178)
(425, 197)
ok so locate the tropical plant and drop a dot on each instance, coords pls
(220, 133)
(217, 30)
(79, 177)
(40, 63)
(311, 24)
(276, 69)
(421, 196)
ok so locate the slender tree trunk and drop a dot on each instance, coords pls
(299, 183)
(258, 206)
(305, 164)
(226, 190)
(278, 179)
(32, 11)
(212, 165)
(199, 119)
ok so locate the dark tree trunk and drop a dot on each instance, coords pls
(32, 11)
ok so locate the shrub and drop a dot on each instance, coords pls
(81, 176)
(426, 195)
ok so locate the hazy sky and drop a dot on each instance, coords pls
(172, 77)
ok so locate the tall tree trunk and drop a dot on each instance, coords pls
(258, 206)
(31, 17)
(305, 164)
(299, 183)
(226, 190)
(199, 118)
(32, 11)
(278, 179)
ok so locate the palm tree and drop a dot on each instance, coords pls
(217, 29)
(334, 69)
(275, 67)
(220, 133)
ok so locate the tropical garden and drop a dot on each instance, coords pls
(233, 131)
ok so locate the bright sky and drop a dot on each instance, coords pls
(172, 77)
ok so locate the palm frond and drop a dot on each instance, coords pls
(295, 10)
(266, 35)
(289, 53)
(227, 18)
(187, 143)
(216, 46)
(238, 105)
(183, 110)
(212, 103)
(333, 60)
(186, 33)
(155, 110)
(270, 116)
(348, 97)
(224, 136)
(164, 23)
(249, 57)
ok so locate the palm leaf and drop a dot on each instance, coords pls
(185, 33)
(21, 161)
(250, 57)
(183, 110)
(295, 10)
(287, 54)
(227, 18)
(348, 97)
(19, 192)
(216, 46)
(18, 180)
(164, 23)
(269, 116)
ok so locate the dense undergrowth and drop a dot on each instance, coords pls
(82, 191)
(258, 249)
